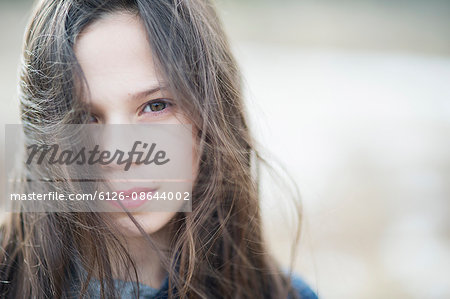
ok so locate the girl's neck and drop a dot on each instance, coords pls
(146, 257)
(147, 261)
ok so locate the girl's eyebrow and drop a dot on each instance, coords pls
(135, 96)
(147, 92)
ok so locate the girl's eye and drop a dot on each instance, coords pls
(90, 118)
(155, 106)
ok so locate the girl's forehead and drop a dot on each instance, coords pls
(115, 56)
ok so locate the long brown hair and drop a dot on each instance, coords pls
(217, 249)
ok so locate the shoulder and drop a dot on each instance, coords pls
(302, 288)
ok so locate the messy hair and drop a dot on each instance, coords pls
(217, 250)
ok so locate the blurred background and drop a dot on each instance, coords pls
(353, 98)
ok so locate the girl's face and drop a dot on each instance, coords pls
(125, 88)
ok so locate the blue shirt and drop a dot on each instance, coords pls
(128, 289)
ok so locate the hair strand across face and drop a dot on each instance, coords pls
(217, 250)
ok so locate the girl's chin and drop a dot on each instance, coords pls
(151, 222)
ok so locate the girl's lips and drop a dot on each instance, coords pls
(131, 198)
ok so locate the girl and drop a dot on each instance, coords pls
(132, 62)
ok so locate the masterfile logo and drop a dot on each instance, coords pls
(86, 167)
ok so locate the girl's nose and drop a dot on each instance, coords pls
(115, 139)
